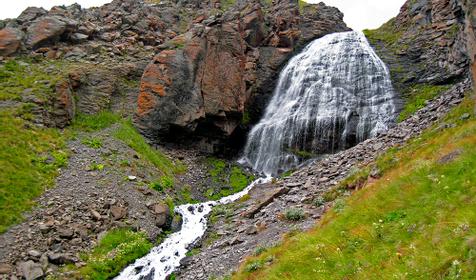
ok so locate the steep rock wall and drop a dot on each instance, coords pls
(212, 81)
(427, 43)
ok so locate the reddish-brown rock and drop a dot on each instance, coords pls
(10, 41)
(45, 30)
(63, 105)
(224, 68)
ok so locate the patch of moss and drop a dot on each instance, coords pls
(226, 179)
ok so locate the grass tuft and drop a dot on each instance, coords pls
(99, 121)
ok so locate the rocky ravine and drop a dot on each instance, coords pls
(259, 221)
(72, 217)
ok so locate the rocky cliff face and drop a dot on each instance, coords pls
(428, 42)
(214, 79)
(215, 66)
(469, 8)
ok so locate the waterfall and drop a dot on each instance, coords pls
(336, 93)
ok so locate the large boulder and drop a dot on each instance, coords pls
(30, 14)
(10, 41)
(222, 71)
(46, 30)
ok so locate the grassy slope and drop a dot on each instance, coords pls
(29, 156)
(417, 222)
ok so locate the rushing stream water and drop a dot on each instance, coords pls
(166, 257)
(336, 93)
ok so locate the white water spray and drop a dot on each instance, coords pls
(333, 95)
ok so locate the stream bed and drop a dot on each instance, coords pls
(164, 259)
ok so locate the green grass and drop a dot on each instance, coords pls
(163, 184)
(294, 214)
(29, 162)
(185, 196)
(39, 77)
(29, 155)
(417, 96)
(227, 179)
(100, 121)
(129, 135)
(418, 221)
(387, 33)
(115, 251)
(92, 142)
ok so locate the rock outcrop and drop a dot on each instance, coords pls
(121, 23)
(469, 8)
(426, 43)
(218, 75)
(10, 40)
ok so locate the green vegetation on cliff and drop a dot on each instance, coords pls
(416, 98)
(29, 162)
(418, 221)
(129, 135)
(388, 34)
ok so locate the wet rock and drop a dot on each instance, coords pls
(212, 104)
(162, 213)
(31, 270)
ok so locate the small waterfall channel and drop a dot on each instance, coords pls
(337, 92)
(166, 257)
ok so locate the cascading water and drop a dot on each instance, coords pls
(333, 95)
(164, 259)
